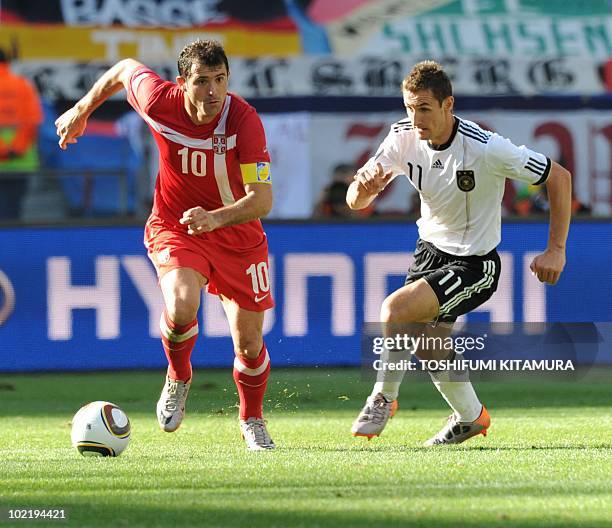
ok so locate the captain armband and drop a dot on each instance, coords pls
(256, 172)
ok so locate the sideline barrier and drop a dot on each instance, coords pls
(87, 298)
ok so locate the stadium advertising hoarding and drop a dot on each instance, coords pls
(87, 298)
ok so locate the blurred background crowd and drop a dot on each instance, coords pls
(325, 77)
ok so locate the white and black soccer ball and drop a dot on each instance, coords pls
(100, 429)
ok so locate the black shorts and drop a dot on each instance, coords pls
(460, 283)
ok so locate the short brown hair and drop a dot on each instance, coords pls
(207, 52)
(428, 75)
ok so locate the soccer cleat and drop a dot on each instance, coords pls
(171, 404)
(374, 416)
(456, 432)
(255, 434)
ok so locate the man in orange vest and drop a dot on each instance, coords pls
(20, 115)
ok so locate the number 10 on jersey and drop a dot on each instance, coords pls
(194, 164)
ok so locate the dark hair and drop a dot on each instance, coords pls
(3, 56)
(207, 52)
(428, 75)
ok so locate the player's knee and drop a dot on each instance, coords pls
(386, 313)
(408, 307)
(248, 347)
(181, 310)
(392, 311)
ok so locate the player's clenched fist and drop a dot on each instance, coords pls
(548, 266)
(69, 126)
(198, 221)
(373, 178)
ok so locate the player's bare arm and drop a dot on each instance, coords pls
(257, 203)
(71, 124)
(549, 265)
(369, 182)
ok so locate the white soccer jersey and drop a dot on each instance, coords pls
(461, 184)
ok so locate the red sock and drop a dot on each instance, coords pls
(251, 377)
(178, 342)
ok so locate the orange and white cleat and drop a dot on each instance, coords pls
(374, 416)
(456, 432)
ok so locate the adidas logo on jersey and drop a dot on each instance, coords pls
(437, 164)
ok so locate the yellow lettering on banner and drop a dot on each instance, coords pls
(112, 44)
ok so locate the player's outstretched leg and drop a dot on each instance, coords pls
(178, 342)
(455, 431)
(374, 416)
(251, 378)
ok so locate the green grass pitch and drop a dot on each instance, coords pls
(546, 462)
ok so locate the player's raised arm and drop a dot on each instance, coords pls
(71, 124)
(369, 182)
(549, 265)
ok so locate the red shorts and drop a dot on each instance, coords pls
(238, 274)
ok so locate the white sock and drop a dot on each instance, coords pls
(461, 397)
(388, 381)
(389, 389)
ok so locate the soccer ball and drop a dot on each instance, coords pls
(100, 429)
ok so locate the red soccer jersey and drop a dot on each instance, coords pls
(199, 165)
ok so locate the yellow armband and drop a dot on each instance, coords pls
(256, 172)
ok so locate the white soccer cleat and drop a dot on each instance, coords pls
(171, 404)
(255, 434)
(374, 416)
(456, 432)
